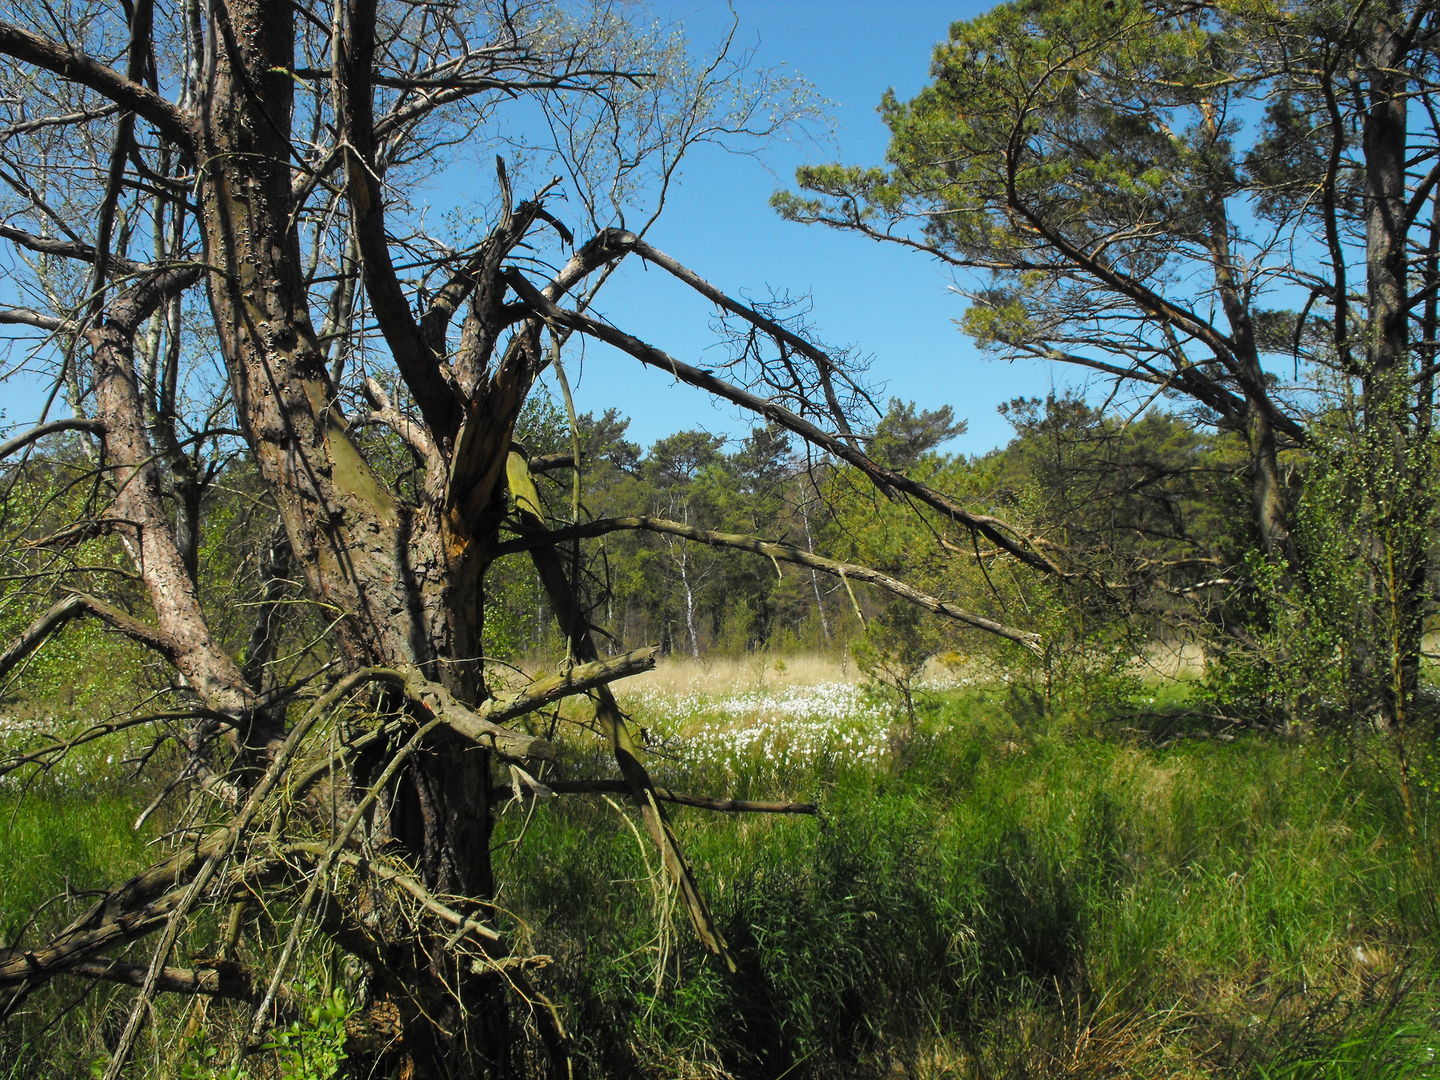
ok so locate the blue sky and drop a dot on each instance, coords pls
(886, 303)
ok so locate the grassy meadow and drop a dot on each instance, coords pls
(991, 894)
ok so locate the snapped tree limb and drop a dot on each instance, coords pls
(785, 553)
(888, 480)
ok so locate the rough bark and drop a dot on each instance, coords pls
(394, 807)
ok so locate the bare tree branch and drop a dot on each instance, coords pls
(75, 65)
(67, 249)
(704, 802)
(420, 366)
(35, 635)
(786, 553)
(11, 316)
(996, 531)
(225, 979)
(53, 427)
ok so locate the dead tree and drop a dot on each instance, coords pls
(225, 183)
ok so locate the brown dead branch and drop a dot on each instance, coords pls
(110, 925)
(50, 752)
(73, 64)
(786, 553)
(704, 802)
(484, 724)
(39, 431)
(549, 462)
(1006, 537)
(403, 881)
(76, 604)
(641, 788)
(224, 979)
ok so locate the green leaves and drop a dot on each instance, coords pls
(311, 1048)
(999, 317)
(1098, 124)
(848, 195)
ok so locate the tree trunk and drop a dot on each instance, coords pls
(1395, 451)
(406, 583)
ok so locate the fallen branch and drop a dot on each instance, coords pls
(406, 882)
(485, 723)
(530, 520)
(704, 802)
(88, 936)
(784, 552)
(223, 980)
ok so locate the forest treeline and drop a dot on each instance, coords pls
(299, 537)
(1134, 495)
(1150, 511)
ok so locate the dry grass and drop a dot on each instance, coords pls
(1071, 1042)
(680, 676)
(1171, 660)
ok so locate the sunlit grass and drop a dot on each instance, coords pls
(65, 828)
(998, 898)
(54, 846)
(990, 897)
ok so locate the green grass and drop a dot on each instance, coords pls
(1011, 902)
(995, 898)
(63, 834)
(56, 845)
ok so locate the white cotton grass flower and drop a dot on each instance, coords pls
(78, 766)
(784, 730)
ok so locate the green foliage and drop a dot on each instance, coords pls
(892, 654)
(1081, 109)
(309, 1048)
(1093, 168)
(1326, 634)
(906, 434)
(61, 841)
(61, 837)
(1022, 900)
(47, 494)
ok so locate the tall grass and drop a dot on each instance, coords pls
(1005, 901)
(64, 833)
(988, 897)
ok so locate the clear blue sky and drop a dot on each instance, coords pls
(884, 303)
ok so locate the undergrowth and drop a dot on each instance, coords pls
(1008, 899)
(986, 896)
